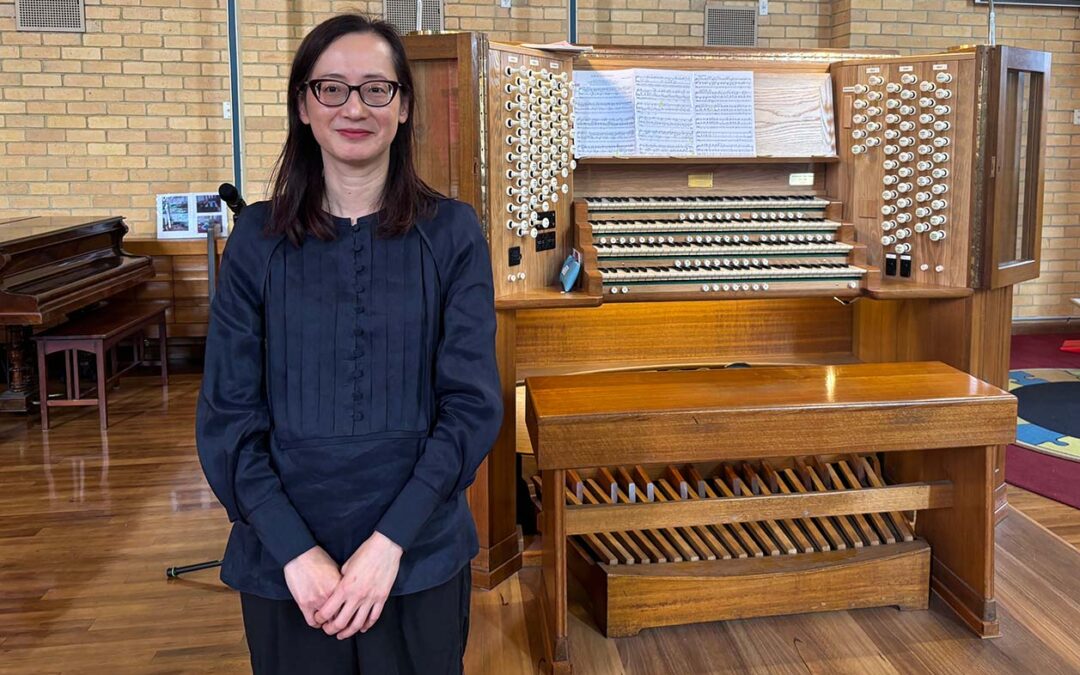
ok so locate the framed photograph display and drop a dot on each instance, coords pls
(190, 215)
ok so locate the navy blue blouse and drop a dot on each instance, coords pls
(350, 386)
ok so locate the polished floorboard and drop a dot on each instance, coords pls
(89, 522)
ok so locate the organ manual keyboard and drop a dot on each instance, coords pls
(682, 247)
(665, 485)
(706, 259)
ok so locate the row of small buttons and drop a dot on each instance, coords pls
(734, 287)
(358, 351)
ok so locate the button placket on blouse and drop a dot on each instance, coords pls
(360, 236)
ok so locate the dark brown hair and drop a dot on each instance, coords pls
(296, 202)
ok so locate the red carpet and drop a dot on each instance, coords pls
(1053, 477)
(1042, 351)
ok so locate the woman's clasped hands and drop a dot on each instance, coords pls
(346, 601)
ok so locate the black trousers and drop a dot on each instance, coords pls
(421, 633)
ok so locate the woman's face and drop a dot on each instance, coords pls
(354, 133)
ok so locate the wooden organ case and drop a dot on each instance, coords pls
(784, 258)
(494, 130)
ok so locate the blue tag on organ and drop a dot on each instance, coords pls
(570, 270)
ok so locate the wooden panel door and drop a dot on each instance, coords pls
(1017, 107)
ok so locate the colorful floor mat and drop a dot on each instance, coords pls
(1049, 414)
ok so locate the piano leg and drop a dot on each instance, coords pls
(17, 397)
(43, 383)
(163, 348)
(102, 386)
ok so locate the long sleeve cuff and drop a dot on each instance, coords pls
(408, 512)
(281, 529)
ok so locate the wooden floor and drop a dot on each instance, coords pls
(90, 521)
(1062, 520)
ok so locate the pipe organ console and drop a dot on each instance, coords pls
(908, 188)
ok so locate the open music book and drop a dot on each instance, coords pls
(643, 112)
(561, 46)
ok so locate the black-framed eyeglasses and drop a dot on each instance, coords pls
(334, 93)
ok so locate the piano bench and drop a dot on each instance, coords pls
(99, 333)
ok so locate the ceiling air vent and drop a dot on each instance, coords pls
(402, 14)
(66, 16)
(730, 26)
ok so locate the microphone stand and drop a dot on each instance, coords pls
(235, 202)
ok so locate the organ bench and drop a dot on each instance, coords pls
(706, 486)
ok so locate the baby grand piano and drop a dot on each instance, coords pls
(51, 266)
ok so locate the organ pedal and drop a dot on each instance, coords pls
(661, 485)
(828, 553)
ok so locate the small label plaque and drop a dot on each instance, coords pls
(545, 241)
(941, 66)
(801, 179)
(906, 69)
(872, 70)
(699, 180)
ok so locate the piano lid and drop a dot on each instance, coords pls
(15, 230)
(51, 266)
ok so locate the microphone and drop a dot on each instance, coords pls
(231, 196)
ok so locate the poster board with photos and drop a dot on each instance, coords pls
(189, 215)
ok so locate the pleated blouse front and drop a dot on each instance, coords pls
(350, 385)
(348, 331)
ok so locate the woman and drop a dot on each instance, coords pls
(350, 389)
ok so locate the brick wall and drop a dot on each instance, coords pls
(524, 21)
(104, 121)
(271, 30)
(790, 23)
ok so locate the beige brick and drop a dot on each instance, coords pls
(68, 39)
(99, 67)
(57, 121)
(76, 80)
(81, 53)
(84, 136)
(625, 16)
(32, 52)
(21, 66)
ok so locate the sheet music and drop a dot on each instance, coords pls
(664, 113)
(664, 110)
(723, 108)
(604, 113)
